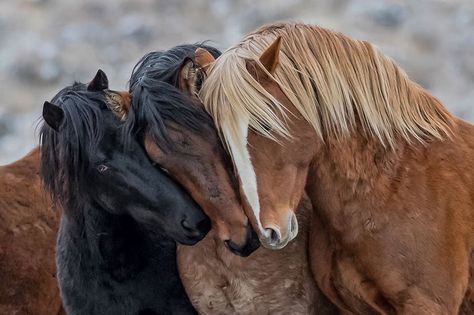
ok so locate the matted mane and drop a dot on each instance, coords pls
(64, 154)
(335, 82)
(157, 100)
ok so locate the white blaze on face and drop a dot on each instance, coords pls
(241, 158)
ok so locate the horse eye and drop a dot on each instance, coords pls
(102, 168)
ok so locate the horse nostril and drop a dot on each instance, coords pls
(204, 226)
(185, 224)
(293, 225)
(198, 229)
(274, 235)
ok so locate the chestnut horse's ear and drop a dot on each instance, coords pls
(203, 58)
(99, 83)
(271, 56)
(53, 115)
(187, 77)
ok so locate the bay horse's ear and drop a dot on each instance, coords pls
(53, 115)
(203, 58)
(99, 83)
(187, 77)
(119, 102)
(270, 58)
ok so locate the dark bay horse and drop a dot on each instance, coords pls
(28, 227)
(181, 138)
(121, 216)
(388, 169)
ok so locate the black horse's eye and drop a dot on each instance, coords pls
(102, 168)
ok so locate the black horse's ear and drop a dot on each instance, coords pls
(99, 83)
(53, 115)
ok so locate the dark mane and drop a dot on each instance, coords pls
(64, 153)
(156, 98)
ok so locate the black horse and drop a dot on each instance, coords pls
(116, 251)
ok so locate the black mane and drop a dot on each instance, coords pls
(156, 98)
(64, 153)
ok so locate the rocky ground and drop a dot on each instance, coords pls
(47, 44)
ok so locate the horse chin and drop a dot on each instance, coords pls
(274, 246)
(252, 244)
(267, 243)
(188, 241)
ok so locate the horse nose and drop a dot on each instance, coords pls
(273, 235)
(196, 229)
(274, 238)
(293, 226)
(251, 244)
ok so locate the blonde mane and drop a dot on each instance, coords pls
(335, 83)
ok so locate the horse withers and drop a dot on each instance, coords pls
(121, 216)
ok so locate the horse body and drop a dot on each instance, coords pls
(28, 228)
(380, 246)
(387, 168)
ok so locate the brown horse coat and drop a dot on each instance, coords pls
(28, 227)
(267, 282)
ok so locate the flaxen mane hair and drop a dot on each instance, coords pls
(64, 154)
(335, 82)
(157, 100)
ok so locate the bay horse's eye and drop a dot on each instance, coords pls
(102, 168)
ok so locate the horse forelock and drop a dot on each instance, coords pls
(65, 154)
(157, 100)
(333, 81)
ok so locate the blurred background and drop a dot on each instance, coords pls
(47, 44)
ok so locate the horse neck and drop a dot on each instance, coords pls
(349, 174)
(114, 242)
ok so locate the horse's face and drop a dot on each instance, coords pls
(122, 180)
(273, 174)
(128, 181)
(200, 164)
(198, 161)
(280, 170)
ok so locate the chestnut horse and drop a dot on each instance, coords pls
(28, 227)
(164, 86)
(388, 169)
